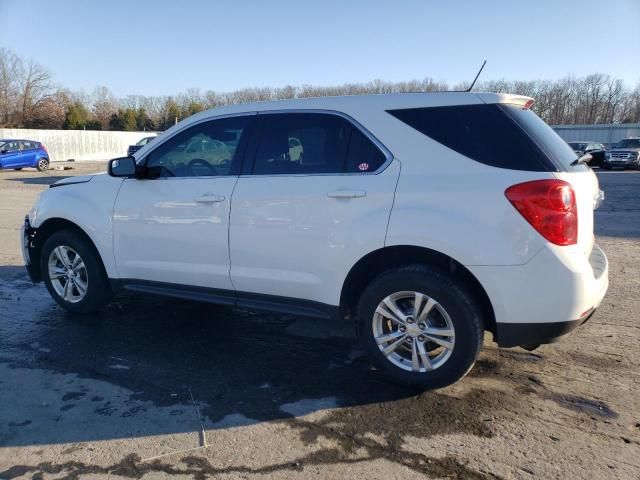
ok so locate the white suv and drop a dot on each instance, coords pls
(425, 218)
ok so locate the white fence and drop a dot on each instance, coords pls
(78, 145)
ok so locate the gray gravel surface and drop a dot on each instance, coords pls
(154, 387)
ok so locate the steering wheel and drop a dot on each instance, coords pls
(199, 162)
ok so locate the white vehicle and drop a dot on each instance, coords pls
(425, 218)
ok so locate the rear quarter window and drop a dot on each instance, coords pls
(488, 134)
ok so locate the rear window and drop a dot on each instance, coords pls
(504, 136)
(553, 146)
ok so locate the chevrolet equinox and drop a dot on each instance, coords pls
(426, 219)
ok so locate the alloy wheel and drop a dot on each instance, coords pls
(413, 331)
(68, 274)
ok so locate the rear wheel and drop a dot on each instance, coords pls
(420, 326)
(73, 273)
(43, 164)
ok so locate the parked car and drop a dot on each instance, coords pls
(595, 149)
(141, 143)
(625, 154)
(19, 154)
(426, 219)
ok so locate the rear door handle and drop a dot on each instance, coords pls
(347, 194)
(210, 198)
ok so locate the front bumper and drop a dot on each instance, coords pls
(622, 163)
(27, 234)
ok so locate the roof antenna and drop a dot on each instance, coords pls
(476, 79)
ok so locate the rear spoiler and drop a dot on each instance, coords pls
(519, 100)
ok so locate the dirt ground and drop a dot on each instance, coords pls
(154, 387)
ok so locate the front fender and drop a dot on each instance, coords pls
(87, 205)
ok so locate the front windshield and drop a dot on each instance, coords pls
(2, 144)
(144, 141)
(578, 146)
(628, 143)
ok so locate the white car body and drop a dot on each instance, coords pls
(299, 236)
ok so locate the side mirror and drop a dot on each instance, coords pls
(122, 167)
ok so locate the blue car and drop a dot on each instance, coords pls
(19, 154)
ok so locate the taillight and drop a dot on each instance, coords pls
(550, 207)
(44, 148)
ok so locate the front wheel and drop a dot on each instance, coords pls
(73, 273)
(43, 164)
(420, 326)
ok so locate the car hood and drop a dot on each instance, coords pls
(625, 150)
(80, 179)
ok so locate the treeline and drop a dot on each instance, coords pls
(30, 98)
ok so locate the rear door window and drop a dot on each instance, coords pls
(490, 134)
(301, 143)
(314, 143)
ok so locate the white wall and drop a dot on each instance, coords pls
(609, 133)
(78, 145)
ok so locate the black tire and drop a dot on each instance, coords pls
(43, 164)
(452, 295)
(98, 291)
(18, 169)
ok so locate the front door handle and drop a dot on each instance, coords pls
(347, 194)
(210, 198)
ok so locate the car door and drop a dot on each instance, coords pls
(307, 209)
(11, 158)
(28, 153)
(172, 225)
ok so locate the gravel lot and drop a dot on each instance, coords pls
(156, 386)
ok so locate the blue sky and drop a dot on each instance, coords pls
(164, 47)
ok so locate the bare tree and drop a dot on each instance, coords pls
(34, 86)
(27, 97)
(104, 104)
(9, 62)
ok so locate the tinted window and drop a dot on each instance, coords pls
(484, 133)
(28, 145)
(11, 146)
(553, 146)
(207, 149)
(363, 155)
(302, 143)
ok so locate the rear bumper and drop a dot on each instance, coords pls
(549, 296)
(516, 334)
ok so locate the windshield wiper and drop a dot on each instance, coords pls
(587, 157)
